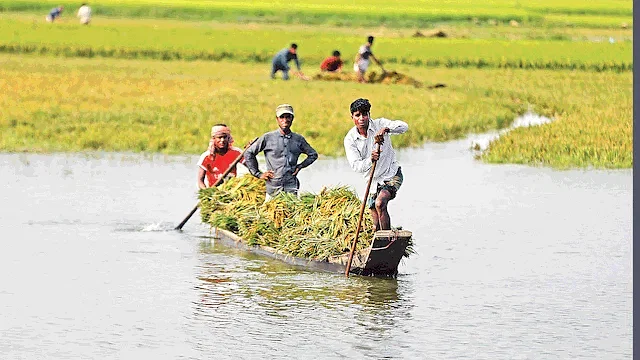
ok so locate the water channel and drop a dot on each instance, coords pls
(513, 262)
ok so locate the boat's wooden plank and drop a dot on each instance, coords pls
(381, 258)
(385, 255)
(230, 239)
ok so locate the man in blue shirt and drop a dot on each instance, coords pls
(54, 13)
(280, 63)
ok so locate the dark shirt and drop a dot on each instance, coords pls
(365, 51)
(283, 56)
(331, 63)
(55, 12)
(281, 153)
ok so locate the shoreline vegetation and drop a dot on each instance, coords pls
(157, 85)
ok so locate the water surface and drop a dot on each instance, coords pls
(513, 262)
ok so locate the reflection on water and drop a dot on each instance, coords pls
(288, 283)
(512, 262)
(282, 298)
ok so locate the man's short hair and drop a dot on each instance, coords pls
(294, 45)
(362, 105)
(336, 53)
(370, 39)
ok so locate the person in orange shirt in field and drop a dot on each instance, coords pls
(332, 63)
(216, 160)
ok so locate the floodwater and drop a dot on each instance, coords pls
(513, 262)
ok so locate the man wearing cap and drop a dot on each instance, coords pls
(216, 160)
(361, 149)
(281, 149)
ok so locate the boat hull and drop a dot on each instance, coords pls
(380, 259)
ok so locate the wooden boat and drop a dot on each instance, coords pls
(380, 259)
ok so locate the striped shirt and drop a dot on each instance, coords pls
(358, 149)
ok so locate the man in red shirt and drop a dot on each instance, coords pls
(216, 160)
(332, 63)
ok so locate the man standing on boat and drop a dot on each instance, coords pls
(281, 148)
(360, 147)
(216, 160)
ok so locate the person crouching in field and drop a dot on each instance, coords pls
(216, 160)
(84, 14)
(332, 63)
(360, 146)
(280, 63)
(54, 13)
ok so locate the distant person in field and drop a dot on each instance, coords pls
(361, 63)
(361, 149)
(216, 160)
(332, 63)
(54, 13)
(280, 63)
(84, 14)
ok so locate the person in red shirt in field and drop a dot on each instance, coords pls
(216, 160)
(332, 63)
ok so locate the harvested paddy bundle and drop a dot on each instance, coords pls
(389, 77)
(313, 226)
(392, 77)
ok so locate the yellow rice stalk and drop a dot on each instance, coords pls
(313, 226)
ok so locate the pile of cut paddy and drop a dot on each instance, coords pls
(313, 226)
(389, 77)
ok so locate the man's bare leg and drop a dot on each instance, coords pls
(374, 216)
(361, 77)
(384, 220)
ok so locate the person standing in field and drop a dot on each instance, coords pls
(281, 149)
(216, 160)
(361, 63)
(332, 63)
(280, 63)
(360, 147)
(54, 13)
(84, 14)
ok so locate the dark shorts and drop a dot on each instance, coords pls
(275, 67)
(392, 185)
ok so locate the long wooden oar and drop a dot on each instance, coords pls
(220, 180)
(364, 204)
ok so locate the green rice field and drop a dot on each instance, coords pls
(150, 76)
(166, 41)
(401, 13)
(60, 104)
